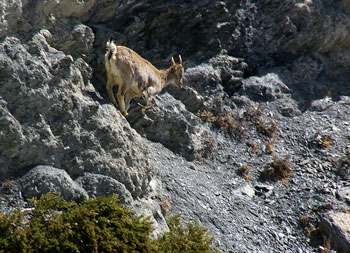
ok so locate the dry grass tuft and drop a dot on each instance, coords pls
(227, 122)
(280, 169)
(243, 171)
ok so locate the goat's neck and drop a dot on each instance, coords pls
(166, 77)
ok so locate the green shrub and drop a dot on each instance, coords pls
(54, 225)
(96, 225)
(192, 238)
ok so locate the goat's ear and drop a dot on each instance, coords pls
(172, 61)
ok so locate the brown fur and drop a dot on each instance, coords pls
(136, 76)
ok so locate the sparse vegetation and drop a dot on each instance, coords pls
(263, 125)
(315, 234)
(279, 169)
(96, 225)
(268, 128)
(269, 147)
(343, 165)
(254, 147)
(243, 171)
(326, 141)
(192, 238)
(235, 125)
(321, 140)
(227, 122)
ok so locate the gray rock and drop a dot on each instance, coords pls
(288, 107)
(100, 185)
(321, 104)
(46, 107)
(172, 125)
(13, 11)
(344, 194)
(265, 88)
(245, 192)
(286, 55)
(44, 179)
(337, 228)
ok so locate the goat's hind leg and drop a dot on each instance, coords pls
(121, 101)
(109, 88)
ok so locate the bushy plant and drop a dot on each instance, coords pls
(192, 238)
(101, 224)
(279, 169)
(227, 122)
(55, 225)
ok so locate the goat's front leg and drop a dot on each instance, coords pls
(127, 98)
(109, 88)
(149, 103)
(121, 102)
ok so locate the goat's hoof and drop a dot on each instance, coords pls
(125, 114)
(143, 110)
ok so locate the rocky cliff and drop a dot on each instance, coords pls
(255, 146)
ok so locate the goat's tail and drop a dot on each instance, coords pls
(111, 45)
(111, 48)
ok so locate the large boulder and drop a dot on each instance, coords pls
(49, 115)
(44, 179)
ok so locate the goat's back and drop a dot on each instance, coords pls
(133, 69)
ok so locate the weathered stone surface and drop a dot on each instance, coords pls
(100, 185)
(44, 179)
(25, 16)
(10, 14)
(265, 88)
(344, 194)
(337, 227)
(172, 125)
(285, 55)
(46, 107)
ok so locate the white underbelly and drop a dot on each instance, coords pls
(117, 75)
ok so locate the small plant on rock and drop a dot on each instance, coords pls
(279, 169)
(225, 121)
(263, 124)
(192, 238)
(243, 171)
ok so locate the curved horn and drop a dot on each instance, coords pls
(172, 61)
(180, 59)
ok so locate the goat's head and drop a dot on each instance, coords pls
(177, 72)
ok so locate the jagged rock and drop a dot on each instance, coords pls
(46, 107)
(25, 16)
(44, 179)
(265, 88)
(10, 14)
(344, 194)
(169, 123)
(76, 39)
(282, 54)
(321, 104)
(245, 192)
(336, 225)
(288, 107)
(100, 185)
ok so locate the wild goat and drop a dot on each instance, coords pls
(137, 77)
